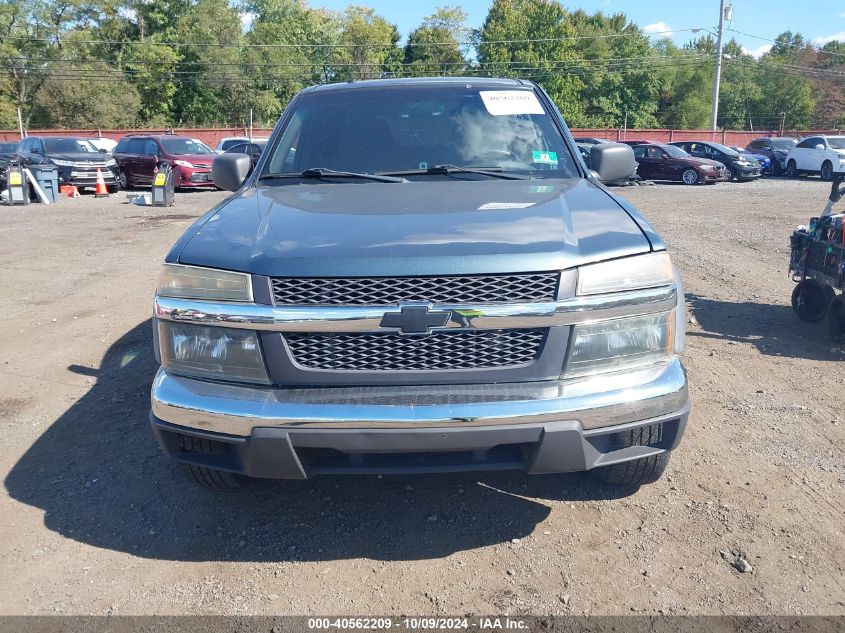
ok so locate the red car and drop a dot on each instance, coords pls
(666, 162)
(139, 156)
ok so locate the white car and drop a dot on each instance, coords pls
(229, 141)
(103, 143)
(823, 155)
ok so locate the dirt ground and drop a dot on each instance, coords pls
(94, 520)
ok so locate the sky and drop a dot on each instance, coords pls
(818, 20)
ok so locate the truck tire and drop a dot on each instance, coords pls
(218, 480)
(836, 319)
(638, 472)
(810, 300)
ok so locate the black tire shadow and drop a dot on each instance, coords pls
(101, 480)
(773, 329)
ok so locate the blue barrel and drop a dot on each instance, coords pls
(48, 179)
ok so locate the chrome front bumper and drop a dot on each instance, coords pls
(598, 402)
(539, 428)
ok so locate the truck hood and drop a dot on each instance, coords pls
(414, 228)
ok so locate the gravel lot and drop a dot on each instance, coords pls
(94, 520)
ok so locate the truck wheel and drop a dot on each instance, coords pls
(836, 319)
(208, 477)
(638, 472)
(810, 300)
(826, 171)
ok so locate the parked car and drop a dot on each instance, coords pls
(658, 161)
(75, 159)
(140, 156)
(740, 167)
(228, 141)
(378, 301)
(103, 144)
(591, 140)
(765, 161)
(823, 155)
(252, 149)
(636, 141)
(776, 148)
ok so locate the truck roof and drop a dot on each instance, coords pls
(415, 81)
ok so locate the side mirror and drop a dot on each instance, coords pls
(613, 161)
(229, 171)
(819, 146)
(103, 150)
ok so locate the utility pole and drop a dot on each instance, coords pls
(718, 77)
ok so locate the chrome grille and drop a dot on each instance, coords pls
(463, 349)
(519, 288)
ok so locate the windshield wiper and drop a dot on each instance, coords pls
(445, 170)
(322, 172)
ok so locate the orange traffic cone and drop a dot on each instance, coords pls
(101, 191)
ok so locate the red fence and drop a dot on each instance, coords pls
(212, 136)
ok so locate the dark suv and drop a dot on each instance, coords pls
(76, 160)
(776, 148)
(140, 156)
(420, 275)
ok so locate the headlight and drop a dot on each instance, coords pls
(212, 352)
(620, 344)
(182, 163)
(628, 273)
(62, 163)
(193, 282)
(111, 162)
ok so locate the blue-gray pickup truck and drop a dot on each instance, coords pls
(420, 275)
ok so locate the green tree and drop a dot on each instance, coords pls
(303, 52)
(210, 86)
(152, 69)
(686, 75)
(105, 100)
(533, 39)
(437, 46)
(370, 45)
(619, 80)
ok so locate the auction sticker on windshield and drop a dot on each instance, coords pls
(509, 102)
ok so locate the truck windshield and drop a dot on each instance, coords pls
(836, 142)
(385, 129)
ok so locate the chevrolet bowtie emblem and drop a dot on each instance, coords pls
(415, 319)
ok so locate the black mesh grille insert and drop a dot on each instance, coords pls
(474, 349)
(521, 288)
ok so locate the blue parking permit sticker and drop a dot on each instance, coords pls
(545, 158)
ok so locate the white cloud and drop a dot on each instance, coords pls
(758, 52)
(247, 19)
(657, 27)
(821, 41)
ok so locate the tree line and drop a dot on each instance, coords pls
(133, 63)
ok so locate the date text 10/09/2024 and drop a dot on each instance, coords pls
(417, 623)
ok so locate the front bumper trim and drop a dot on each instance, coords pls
(596, 402)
